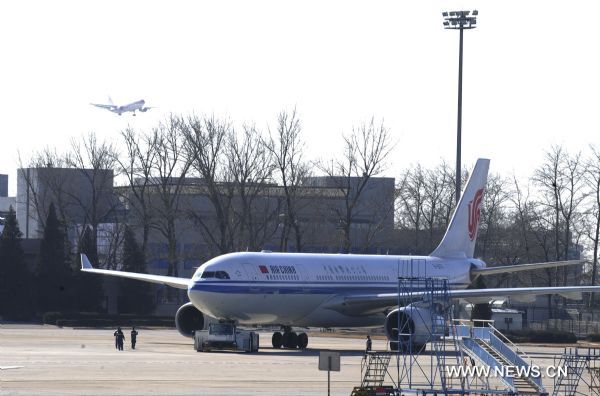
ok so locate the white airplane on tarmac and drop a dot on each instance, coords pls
(344, 290)
(139, 105)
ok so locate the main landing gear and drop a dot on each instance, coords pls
(289, 339)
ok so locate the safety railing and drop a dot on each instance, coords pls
(506, 340)
(491, 336)
(486, 358)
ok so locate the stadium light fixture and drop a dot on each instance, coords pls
(459, 20)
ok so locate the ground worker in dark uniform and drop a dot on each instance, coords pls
(369, 343)
(119, 339)
(134, 334)
(116, 338)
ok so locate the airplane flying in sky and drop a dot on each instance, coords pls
(344, 290)
(139, 105)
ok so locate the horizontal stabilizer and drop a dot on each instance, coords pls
(523, 267)
(179, 283)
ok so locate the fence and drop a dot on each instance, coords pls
(578, 327)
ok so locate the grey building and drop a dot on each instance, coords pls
(3, 185)
(80, 196)
(5, 201)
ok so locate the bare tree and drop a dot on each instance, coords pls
(205, 145)
(436, 189)
(287, 151)
(365, 154)
(548, 177)
(425, 199)
(250, 167)
(493, 214)
(43, 187)
(411, 196)
(94, 160)
(560, 178)
(169, 170)
(592, 178)
(522, 217)
(570, 201)
(448, 201)
(136, 165)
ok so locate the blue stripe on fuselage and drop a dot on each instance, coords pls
(245, 287)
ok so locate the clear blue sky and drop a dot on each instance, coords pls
(531, 72)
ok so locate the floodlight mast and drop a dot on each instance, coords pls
(459, 20)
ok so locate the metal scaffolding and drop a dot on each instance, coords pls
(425, 306)
(420, 371)
(582, 375)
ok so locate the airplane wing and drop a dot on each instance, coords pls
(179, 283)
(103, 106)
(523, 267)
(372, 303)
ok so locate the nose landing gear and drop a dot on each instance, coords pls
(289, 339)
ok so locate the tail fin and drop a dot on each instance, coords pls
(460, 237)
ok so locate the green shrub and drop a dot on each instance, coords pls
(51, 317)
(123, 322)
(545, 336)
(593, 337)
(93, 319)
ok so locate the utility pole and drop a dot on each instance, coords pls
(459, 20)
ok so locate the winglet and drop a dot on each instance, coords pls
(85, 262)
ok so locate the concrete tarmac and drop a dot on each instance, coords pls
(46, 360)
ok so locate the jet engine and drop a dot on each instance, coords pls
(416, 325)
(188, 319)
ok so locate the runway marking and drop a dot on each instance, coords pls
(10, 367)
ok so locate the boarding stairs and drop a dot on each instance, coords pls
(522, 384)
(374, 367)
(490, 347)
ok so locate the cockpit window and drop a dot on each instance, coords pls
(221, 275)
(215, 274)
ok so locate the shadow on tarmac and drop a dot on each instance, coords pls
(270, 351)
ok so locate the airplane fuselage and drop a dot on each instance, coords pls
(297, 288)
(139, 105)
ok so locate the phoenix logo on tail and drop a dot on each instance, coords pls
(474, 213)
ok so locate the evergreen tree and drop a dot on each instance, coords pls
(54, 273)
(15, 280)
(135, 296)
(89, 286)
(481, 311)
